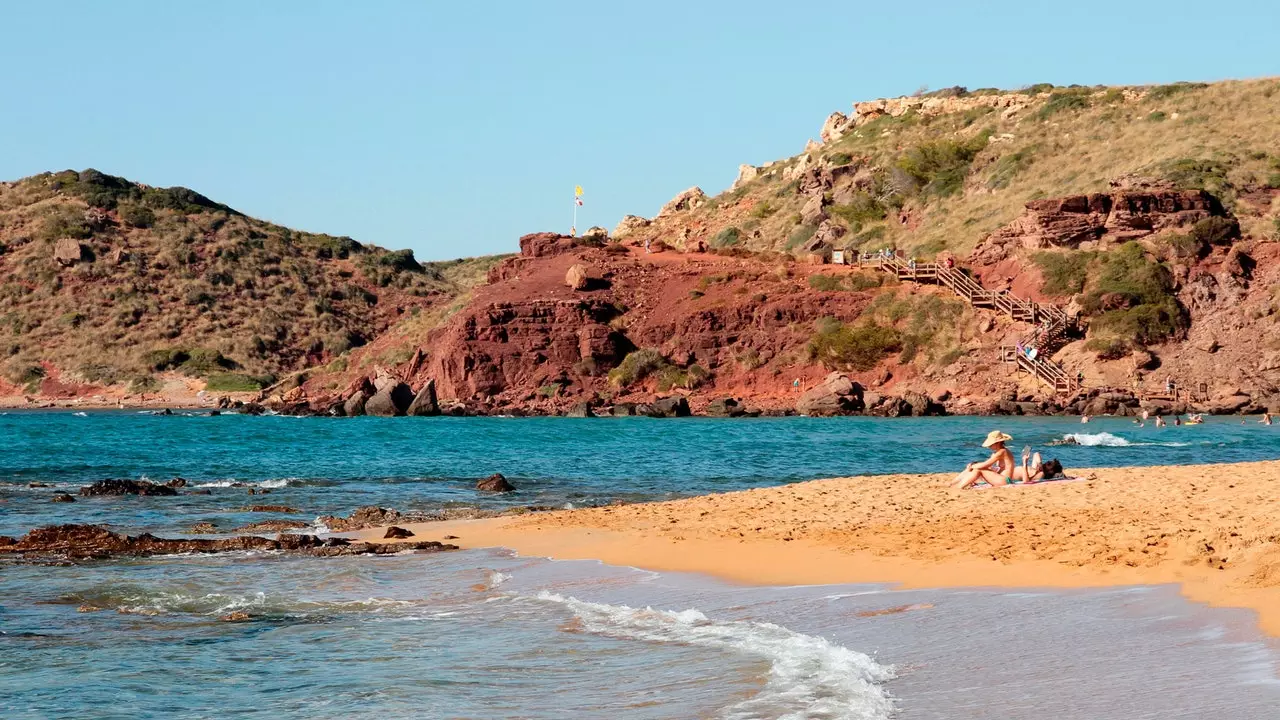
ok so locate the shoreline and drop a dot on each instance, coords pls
(1212, 529)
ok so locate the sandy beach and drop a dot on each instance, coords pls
(1212, 529)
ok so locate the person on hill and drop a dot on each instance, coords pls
(995, 470)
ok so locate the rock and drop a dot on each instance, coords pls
(668, 407)
(546, 244)
(176, 483)
(62, 497)
(577, 278)
(725, 407)
(835, 395)
(495, 483)
(922, 405)
(269, 508)
(629, 224)
(391, 401)
(746, 173)
(252, 408)
(397, 533)
(1229, 404)
(425, 402)
(687, 200)
(199, 492)
(126, 487)
(38, 485)
(894, 407)
(580, 410)
(812, 212)
(834, 128)
(68, 252)
(237, 616)
(272, 526)
(203, 528)
(361, 518)
(88, 608)
(623, 410)
(95, 541)
(595, 233)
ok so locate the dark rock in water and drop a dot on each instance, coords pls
(62, 497)
(272, 526)
(397, 533)
(390, 401)
(450, 537)
(38, 485)
(126, 487)
(203, 528)
(176, 483)
(835, 395)
(269, 508)
(200, 492)
(624, 410)
(354, 406)
(581, 410)
(95, 541)
(252, 409)
(165, 411)
(215, 413)
(668, 407)
(726, 407)
(88, 609)
(363, 517)
(253, 491)
(495, 483)
(425, 403)
(237, 616)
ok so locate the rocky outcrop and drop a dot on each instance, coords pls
(62, 497)
(688, 200)
(495, 483)
(546, 244)
(729, 407)
(835, 395)
(390, 401)
(365, 517)
(126, 487)
(629, 224)
(1084, 220)
(397, 533)
(835, 127)
(68, 252)
(424, 403)
(667, 407)
(95, 541)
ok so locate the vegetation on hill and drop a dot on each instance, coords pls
(944, 182)
(107, 281)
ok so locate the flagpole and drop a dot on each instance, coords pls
(574, 228)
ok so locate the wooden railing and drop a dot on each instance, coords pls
(1053, 325)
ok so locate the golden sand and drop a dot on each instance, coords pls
(1214, 529)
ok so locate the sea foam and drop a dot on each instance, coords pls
(809, 677)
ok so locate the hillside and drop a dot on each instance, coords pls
(107, 283)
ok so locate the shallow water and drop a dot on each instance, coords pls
(483, 634)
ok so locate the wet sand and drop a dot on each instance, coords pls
(1213, 529)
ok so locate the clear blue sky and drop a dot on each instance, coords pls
(453, 128)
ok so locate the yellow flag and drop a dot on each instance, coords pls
(577, 191)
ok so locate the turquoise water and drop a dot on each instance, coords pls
(483, 634)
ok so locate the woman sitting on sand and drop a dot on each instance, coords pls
(999, 468)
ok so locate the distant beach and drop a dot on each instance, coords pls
(1209, 528)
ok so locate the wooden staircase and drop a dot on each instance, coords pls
(1053, 325)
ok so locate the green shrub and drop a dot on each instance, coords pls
(860, 281)
(1128, 276)
(763, 210)
(1008, 167)
(549, 390)
(1157, 116)
(136, 215)
(840, 159)
(197, 362)
(636, 366)
(938, 168)
(1273, 180)
(1215, 230)
(143, 383)
(840, 347)
(673, 377)
(800, 236)
(233, 382)
(826, 282)
(1064, 272)
(1036, 89)
(727, 237)
(1161, 92)
(1108, 348)
(1185, 247)
(862, 208)
(1063, 101)
(1192, 173)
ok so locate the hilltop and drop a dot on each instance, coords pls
(110, 284)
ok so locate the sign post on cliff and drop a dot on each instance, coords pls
(577, 202)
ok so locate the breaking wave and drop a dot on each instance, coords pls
(284, 482)
(1106, 439)
(809, 677)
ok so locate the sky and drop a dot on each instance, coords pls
(454, 128)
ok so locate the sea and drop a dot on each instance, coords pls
(489, 634)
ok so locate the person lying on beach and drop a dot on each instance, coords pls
(995, 470)
(1033, 469)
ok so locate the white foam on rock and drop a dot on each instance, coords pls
(809, 677)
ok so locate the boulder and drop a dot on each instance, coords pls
(577, 278)
(546, 244)
(725, 407)
(354, 406)
(397, 533)
(392, 400)
(623, 410)
(68, 252)
(176, 483)
(1229, 404)
(595, 233)
(687, 200)
(126, 487)
(812, 212)
(62, 497)
(835, 395)
(425, 402)
(668, 407)
(834, 128)
(894, 407)
(362, 517)
(495, 483)
(922, 405)
(746, 173)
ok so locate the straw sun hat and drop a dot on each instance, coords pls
(995, 436)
